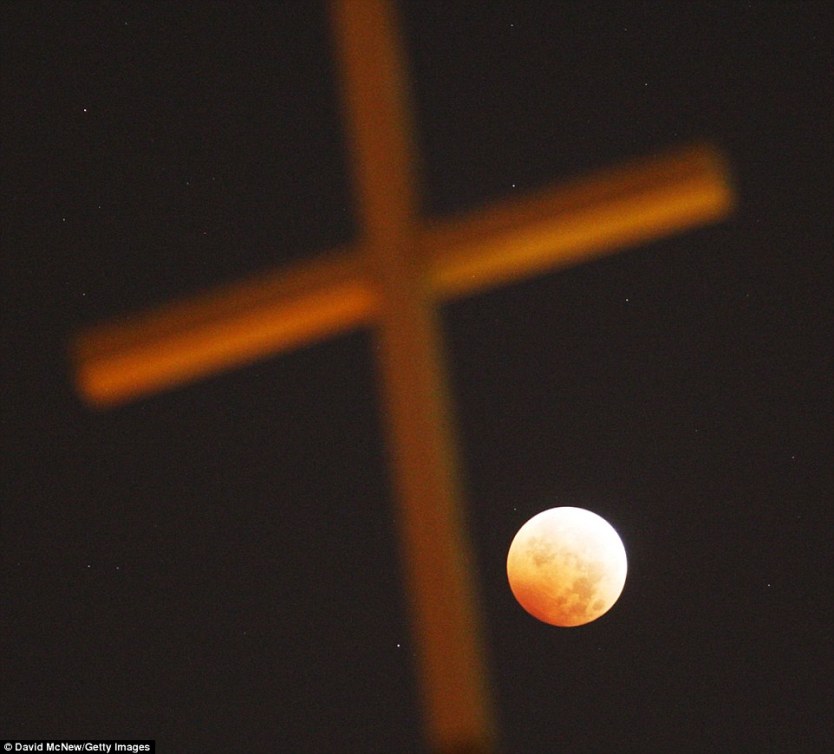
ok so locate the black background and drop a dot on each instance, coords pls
(217, 568)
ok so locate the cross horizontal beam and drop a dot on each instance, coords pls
(239, 323)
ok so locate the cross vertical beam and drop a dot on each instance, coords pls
(436, 552)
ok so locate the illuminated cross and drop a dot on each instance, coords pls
(393, 279)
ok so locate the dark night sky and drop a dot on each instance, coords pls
(217, 568)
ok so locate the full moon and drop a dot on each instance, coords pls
(567, 566)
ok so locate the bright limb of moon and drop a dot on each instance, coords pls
(567, 566)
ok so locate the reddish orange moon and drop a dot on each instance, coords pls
(567, 566)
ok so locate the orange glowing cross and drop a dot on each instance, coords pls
(393, 278)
